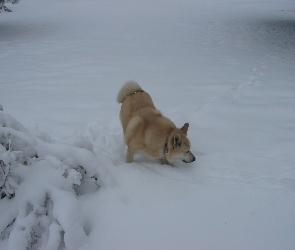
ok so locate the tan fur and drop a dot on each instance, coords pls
(146, 130)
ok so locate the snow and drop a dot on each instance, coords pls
(226, 67)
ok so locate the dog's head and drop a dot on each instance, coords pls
(179, 146)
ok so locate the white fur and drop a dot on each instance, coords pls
(128, 88)
(133, 123)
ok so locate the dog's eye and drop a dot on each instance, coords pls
(186, 152)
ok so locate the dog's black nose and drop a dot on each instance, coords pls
(194, 158)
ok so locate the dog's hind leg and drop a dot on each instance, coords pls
(130, 153)
(129, 156)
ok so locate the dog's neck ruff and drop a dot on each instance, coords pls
(166, 148)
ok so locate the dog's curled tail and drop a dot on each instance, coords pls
(128, 89)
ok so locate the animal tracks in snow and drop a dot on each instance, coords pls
(254, 79)
(104, 138)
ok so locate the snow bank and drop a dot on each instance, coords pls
(44, 209)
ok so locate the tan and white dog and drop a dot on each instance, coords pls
(147, 131)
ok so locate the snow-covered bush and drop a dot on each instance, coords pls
(3, 6)
(39, 193)
(16, 146)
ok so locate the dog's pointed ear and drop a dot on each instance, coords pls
(177, 141)
(185, 128)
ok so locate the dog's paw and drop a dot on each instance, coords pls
(164, 161)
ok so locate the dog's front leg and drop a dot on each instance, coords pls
(164, 161)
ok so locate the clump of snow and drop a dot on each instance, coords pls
(43, 192)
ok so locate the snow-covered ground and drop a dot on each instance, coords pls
(227, 67)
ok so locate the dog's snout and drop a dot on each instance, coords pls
(192, 159)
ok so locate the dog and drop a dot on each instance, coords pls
(147, 131)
